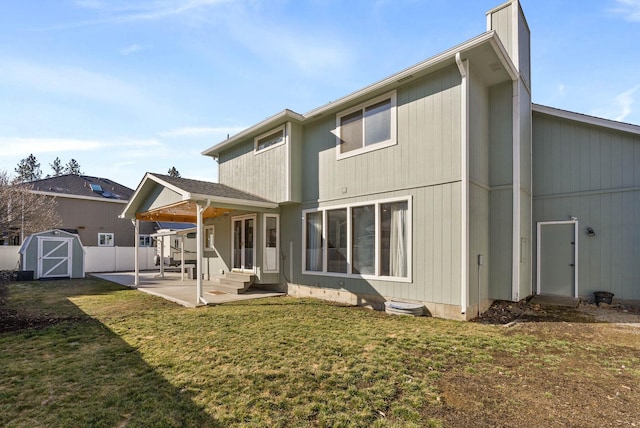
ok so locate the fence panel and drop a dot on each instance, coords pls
(96, 259)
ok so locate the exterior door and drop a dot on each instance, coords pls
(557, 255)
(54, 257)
(244, 243)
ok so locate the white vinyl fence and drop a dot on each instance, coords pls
(96, 259)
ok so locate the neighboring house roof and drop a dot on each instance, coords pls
(584, 118)
(72, 185)
(165, 198)
(486, 52)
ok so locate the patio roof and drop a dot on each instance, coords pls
(164, 198)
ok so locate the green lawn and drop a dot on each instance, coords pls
(106, 356)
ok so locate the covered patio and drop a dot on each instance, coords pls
(173, 199)
(171, 287)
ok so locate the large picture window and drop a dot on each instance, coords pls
(370, 240)
(367, 127)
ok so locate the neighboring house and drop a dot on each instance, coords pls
(89, 207)
(442, 184)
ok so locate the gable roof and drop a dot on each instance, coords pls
(164, 198)
(584, 118)
(71, 185)
(486, 51)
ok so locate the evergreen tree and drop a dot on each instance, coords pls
(57, 167)
(28, 169)
(72, 167)
(173, 172)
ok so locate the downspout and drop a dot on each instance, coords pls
(200, 252)
(464, 170)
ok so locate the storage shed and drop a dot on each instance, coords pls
(53, 254)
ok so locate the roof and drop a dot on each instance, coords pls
(175, 199)
(584, 118)
(207, 188)
(82, 185)
(485, 51)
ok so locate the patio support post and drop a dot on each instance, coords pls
(162, 256)
(200, 209)
(136, 256)
(182, 257)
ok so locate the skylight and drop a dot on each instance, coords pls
(96, 187)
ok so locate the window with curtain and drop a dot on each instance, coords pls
(371, 240)
(393, 242)
(314, 246)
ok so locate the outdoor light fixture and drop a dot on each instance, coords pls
(590, 231)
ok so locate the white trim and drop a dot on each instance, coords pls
(212, 246)
(515, 241)
(113, 239)
(575, 251)
(393, 134)
(463, 67)
(87, 198)
(280, 128)
(41, 257)
(255, 241)
(288, 173)
(590, 120)
(229, 201)
(348, 207)
(264, 243)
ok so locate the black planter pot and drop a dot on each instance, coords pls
(603, 297)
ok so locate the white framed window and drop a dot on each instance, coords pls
(367, 126)
(145, 241)
(268, 140)
(105, 239)
(371, 240)
(271, 239)
(209, 235)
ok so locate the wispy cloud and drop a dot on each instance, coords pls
(21, 146)
(629, 9)
(70, 82)
(199, 132)
(154, 10)
(620, 107)
(131, 49)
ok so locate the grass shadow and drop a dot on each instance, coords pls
(68, 357)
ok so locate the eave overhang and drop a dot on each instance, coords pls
(485, 49)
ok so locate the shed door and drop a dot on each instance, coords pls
(557, 249)
(54, 257)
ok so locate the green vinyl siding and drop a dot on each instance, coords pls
(592, 173)
(427, 150)
(266, 173)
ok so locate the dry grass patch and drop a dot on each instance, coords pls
(137, 360)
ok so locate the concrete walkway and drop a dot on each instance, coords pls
(181, 292)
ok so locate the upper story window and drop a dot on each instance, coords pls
(145, 241)
(270, 139)
(366, 127)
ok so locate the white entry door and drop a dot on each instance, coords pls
(244, 243)
(54, 257)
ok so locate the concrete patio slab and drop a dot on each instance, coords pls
(172, 288)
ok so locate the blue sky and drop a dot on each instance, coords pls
(126, 86)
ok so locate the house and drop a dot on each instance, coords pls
(89, 207)
(442, 184)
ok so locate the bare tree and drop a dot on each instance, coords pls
(23, 212)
